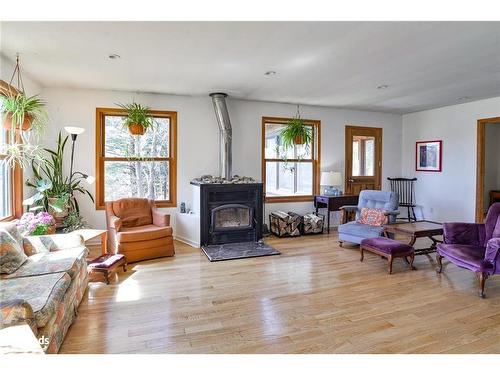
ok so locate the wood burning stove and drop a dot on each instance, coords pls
(230, 213)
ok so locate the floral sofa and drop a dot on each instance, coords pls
(42, 282)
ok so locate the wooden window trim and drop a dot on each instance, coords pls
(16, 172)
(481, 165)
(316, 159)
(100, 158)
(16, 186)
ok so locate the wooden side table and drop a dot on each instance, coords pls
(333, 203)
(90, 234)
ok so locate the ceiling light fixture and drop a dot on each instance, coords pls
(462, 98)
(382, 87)
(114, 56)
(270, 73)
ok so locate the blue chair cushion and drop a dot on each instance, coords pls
(360, 230)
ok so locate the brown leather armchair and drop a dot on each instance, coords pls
(137, 229)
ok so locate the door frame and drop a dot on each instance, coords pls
(480, 164)
(348, 152)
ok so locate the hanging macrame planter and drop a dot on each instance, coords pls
(21, 112)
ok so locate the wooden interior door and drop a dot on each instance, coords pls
(363, 159)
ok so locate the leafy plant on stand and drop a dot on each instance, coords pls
(54, 190)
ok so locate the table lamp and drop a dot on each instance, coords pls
(330, 181)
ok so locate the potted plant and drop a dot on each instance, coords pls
(296, 132)
(138, 118)
(19, 154)
(39, 224)
(54, 191)
(74, 221)
(24, 113)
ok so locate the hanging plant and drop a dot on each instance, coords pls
(23, 112)
(20, 154)
(138, 118)
(296, 132)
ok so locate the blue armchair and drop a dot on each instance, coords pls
(356, 232)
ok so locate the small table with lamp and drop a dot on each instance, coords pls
(333, 203)
(332, 199)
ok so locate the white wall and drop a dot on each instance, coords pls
(31, 86)
(198, 135)
(449, 195)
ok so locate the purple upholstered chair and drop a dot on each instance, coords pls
(475, 247)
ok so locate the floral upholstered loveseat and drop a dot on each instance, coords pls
(42, 282)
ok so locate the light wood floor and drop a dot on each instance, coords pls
(314, 298)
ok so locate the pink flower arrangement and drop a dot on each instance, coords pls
(35, 225)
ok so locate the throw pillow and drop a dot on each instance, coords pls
(11, 252)
(372, 216)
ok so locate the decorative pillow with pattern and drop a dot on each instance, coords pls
(372, 216)
(11, 252)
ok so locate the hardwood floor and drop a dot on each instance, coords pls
(314, 298)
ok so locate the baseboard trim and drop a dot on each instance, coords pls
(187, 241)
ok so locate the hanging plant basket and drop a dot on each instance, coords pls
(7, 124)
(299, 140)
(296, 132)
(19, 111)
(136, 129)
(138, 118)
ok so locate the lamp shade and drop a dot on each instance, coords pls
(331, 179)
(74, 130)
(90, 180)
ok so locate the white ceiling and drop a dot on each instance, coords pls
(340, 64)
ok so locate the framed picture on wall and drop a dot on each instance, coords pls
(429, 156)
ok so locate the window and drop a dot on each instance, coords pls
(135, 166)
(293, 174)
(363, 151)
(11, 179)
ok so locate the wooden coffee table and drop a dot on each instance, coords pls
(417, 229)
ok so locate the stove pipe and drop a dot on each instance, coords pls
(225, 130)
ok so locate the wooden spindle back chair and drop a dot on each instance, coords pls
(405, 187)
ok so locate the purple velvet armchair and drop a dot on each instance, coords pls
(475, 247)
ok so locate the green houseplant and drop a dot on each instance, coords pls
(54, 190)
(138, 118)
(19, 154)
(24, 112)
(296, 132)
